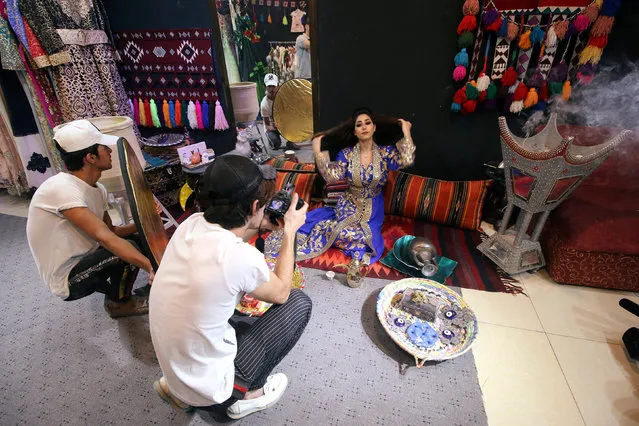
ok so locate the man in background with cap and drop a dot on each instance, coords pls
(76, 248)
(206, 269)
(272, 85)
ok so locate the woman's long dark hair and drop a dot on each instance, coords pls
(388, 132)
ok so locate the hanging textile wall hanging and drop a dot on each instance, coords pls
(169, 76)
(527, 52)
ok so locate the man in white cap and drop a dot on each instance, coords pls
(272, 85)
(76, 248)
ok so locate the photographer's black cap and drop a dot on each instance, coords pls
(229, 179)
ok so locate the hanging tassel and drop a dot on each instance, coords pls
(466, 40)
(220, 120)
(167, 115)
(561, 29)
(471, 7)
(566, 91)
(590, 54)
(543, 92)
(454, 107)
(520, 92)
(537, 35)
(469, 106)
(154, 114)
(491, 91)
(471, 91)
(524, 41)
(610, 7)
(531, 98)
(503, 29)
(536, 80)
(185, 113)
(469, 23)
(581, 22)
(459, 73)
(599, 42)
(496, 25)
(551, 37)
(461, 58)
(269, 19)
(261, 17)
(602, 26)
(592, 12)
(510, 77)
(586, 73)
(483, 82)
(172, 114)
(178, 114)
(285, 20)
(508, 101)
(458, 99)
(200, 118)
(131, 107)
(558, 73)
(136, 111)
(205, 114)
(191, 115)
(141, 112)
(513, 31)
(489, 17)
(516, 107)
(555, 88)
(571, 29)
(147, 113)
(160, 114)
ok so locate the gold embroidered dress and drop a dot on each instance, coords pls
(354, 225)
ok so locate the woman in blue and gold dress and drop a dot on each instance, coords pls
(354, 225)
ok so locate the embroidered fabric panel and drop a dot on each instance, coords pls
(168, 64)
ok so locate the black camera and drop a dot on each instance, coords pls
(280, 203)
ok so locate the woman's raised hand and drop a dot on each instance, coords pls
(317, 144)
(406, 126)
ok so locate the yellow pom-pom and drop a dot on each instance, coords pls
(590, 54)
(531, 98)
(524, 41)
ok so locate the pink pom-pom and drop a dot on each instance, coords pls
(459, 73)
(581, 22)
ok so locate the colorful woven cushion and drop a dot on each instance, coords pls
(456, 204)
(303, 183)
(283, 165)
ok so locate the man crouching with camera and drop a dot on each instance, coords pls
(206, 269)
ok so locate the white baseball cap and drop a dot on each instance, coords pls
(271, 80)
(81, 134)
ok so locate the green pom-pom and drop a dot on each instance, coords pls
(555, 88)
(466, 40)
(472, 92)
(491, 92)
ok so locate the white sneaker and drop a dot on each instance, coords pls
(273, 391)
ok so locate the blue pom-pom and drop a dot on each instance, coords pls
(537, 35)
(455, 107)
(610, 7)
(540, 106)
(503, 30)
(461, 58)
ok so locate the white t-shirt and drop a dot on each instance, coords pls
(204, 273)
(266, 108)
(296, 25)
(56, 243)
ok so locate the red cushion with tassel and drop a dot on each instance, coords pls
(510, 77)
(469, 23)
(520, 92)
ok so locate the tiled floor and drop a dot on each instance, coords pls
(550, 357)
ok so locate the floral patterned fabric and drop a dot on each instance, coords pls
(12, 174)
(354, 225)
(9, 48)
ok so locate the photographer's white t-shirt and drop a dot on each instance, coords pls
(204, 273)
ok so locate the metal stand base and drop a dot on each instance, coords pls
(512, 259)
